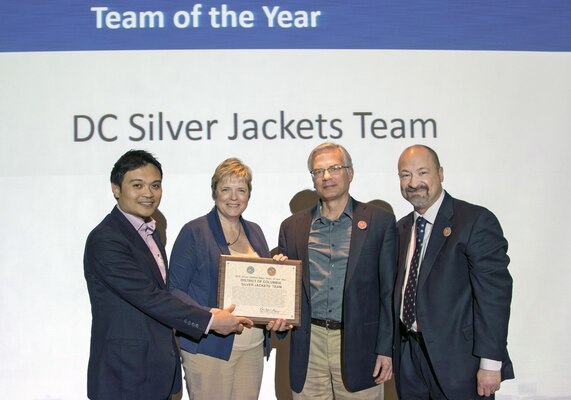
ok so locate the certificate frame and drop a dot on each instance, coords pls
(245, 281)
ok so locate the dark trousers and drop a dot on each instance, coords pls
(417, 379)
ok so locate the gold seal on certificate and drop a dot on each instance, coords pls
(262, 289)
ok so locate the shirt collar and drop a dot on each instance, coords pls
(139, 223)
(348, 211)
(430, 214)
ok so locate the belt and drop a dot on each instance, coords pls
(327, 323)
(406, 334)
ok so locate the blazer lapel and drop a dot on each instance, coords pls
(437, 238)
(301, 247)
(134, 237)
(361, 214)
(404, 236)
(216, 229)
(157, 239)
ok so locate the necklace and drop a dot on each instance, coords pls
(237, 237)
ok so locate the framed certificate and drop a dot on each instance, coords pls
(262, 289)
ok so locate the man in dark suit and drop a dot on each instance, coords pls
(453, 291)
(134, 355)
(343, 347)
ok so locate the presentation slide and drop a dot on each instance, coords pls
(486, 84)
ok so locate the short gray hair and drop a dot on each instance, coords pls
(329, 146)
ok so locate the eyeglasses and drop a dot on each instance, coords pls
(333, 170)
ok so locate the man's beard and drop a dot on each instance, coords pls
(415, 196)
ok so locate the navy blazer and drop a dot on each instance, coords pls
(463, 294)
(367, 295)
(194, 271)
(133, 353)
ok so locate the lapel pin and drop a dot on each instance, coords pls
(362, 224)
(447, 231)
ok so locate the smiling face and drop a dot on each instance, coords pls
(231, 196)
(140, 192)
(331, 187)
(420, 177)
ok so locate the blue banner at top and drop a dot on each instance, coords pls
(66, 25)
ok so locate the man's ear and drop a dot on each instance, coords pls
(351, 173)
(116, 191)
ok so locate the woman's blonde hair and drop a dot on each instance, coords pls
(231, 167)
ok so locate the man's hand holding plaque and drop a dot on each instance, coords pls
(225, 322)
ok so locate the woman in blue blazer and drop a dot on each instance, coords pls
(216, 366)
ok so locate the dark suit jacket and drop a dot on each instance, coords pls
(367, 316)
(133, 351)
(463, 295)
(194, 271)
